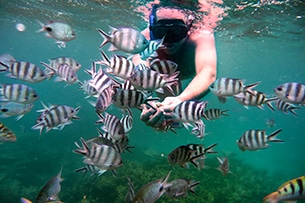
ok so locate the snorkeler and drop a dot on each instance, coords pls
(192, 50)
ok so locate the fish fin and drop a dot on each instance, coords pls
(42, 29)
(24, 200)
(209, 149)
(19, 117)
(58, 79)
(271, 137)
(84, 150)
(112, 48)
(3, 67)
(39, 127)
(249, 88)
(107, 38)
(271, 198)
(270, 106)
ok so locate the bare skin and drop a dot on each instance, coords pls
(196, 57)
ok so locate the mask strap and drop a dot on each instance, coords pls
(152, 19)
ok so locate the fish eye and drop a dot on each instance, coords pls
(279, 89)
(49, 29)
(35, 95)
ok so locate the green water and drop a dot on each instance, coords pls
(272, 57)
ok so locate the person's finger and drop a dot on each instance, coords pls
(155, 119)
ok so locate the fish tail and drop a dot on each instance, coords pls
(52, 70)
(193, 185)
(42, 29)
(106, 60)
(271, 137)
(84, 150)
(3, 67)
(271, 198)
(249, 88)
(209, 150)
(106, 37)
(292, 110)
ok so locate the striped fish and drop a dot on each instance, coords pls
(26, 71)
(125, 99)
(212, 114)
(183, 155)
(101, 156)
(8, 109)
(291, 92)
(64, 72)
(198, 129)
(55, 117)
(257, 139)
(125, 39)
(291, 191)
(224, 87)
(286, 107)
(190, 111)
(56, 62)
(256, 98)
(100, 81)
(199, 149)
(112, 125)
(150, 50)
(6, 135)
(224, 166)
(163, 66)
(118, 65)
(127, 122)
(104, 100)
(19, 93)
(88, 89)
(152, 80)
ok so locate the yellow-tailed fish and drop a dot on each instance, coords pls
(291, 191)
(6, 135)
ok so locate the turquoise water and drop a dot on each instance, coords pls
(274, 55)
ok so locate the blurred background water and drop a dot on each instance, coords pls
(263, 43)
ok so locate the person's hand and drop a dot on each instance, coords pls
(169, 103)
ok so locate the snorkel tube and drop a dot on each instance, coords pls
(152, 20)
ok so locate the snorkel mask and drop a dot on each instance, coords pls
(173, 30)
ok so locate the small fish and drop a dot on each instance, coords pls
(64, 72)
(100, 81)
(151, 80)
(8, 109)
(118, 65)
(198, 129)
(291, 191)
(19, 93)
(286, 107)
(55, 117)
(112, 125)
(125, 39)
(101, 156)
(224, 87)
(183, 155)
(150, 50)
(180, 187)
(212, 114)
(257, 139)
(190, 111)
(60, 31)
(88, 89)
(104, 100)
(152, 191)
(25, 71)
(163, 66)
(256, 98)
(6, 135)
(291, 92)
(270, 122)
(224, 167)
(56, 62)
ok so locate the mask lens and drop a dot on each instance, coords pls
(173, 32)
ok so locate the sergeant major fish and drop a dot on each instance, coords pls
(291, 191)
(150, 50)
(64, 72)
(286, 107)
(55, 117)
(49, 192)
(125, 39)
(23, 70)
(6, 135)
(19, 93)
(292, 92)
(60, 31)
(224, 166)
(224, 87)
(163, 66)
(180, 187)
(257, 139)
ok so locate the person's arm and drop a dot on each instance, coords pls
(205, 62)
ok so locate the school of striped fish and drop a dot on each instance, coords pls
(117, 81)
